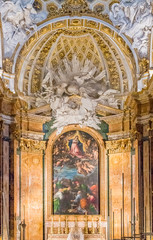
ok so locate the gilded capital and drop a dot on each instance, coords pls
(118, 146)
(29, 145)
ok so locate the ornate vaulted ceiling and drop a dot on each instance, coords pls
(87, 43)
(56, 31)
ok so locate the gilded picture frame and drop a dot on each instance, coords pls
(49, 212)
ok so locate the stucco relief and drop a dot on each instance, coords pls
(75, 233)
(134, 19)
(74, 93)
(17, 21)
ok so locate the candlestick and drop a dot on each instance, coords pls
(59, 226)
(97, 225)
(86, 223)
(52, 226)
(93, 229)
(100, 225)
(66, 225)
(76, 221)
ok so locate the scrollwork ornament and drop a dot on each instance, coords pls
(71, 7)
(144, 65)
(8, 63)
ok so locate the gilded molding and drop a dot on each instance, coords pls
(73, 27)
(7, 65)
(29, 145)
(144, 65)
(74, 8)
(102, 46)
(119, 146)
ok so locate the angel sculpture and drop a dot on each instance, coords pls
(134, 17)
(17, 20)
(17, 15)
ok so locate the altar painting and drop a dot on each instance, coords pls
(75, 174)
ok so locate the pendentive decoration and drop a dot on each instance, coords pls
(135, 19)
(18, 20)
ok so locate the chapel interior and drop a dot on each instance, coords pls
(76, 119)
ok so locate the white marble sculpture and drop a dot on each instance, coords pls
(70, 112)
(17, 21)
(135, 19)
(74, 92)
(75, 234)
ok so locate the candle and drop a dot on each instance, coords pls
(100, 225)
(66, 226)
(52, 226)
(93, 226)
(59, 228)
(52, 221)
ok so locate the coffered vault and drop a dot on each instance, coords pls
(57, 26)
(85, 43)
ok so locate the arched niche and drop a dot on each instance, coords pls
(48, 169)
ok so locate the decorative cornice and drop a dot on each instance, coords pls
(118, 135)
(38, 136)
(145, 119)
(107, 109)
(32, 146)
(119, 146)
(113, 118)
